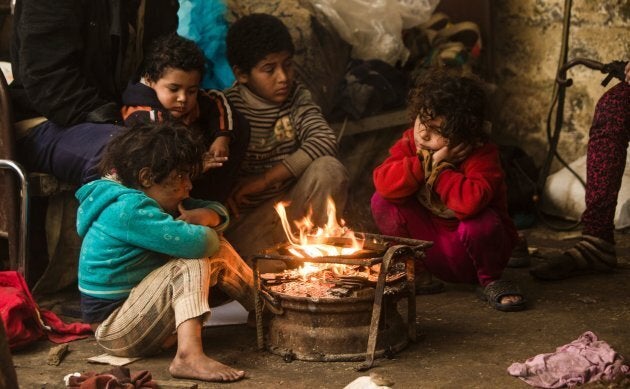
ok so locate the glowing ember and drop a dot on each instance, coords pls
(310, 240)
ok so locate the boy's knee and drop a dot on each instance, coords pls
(325, 176)
(327, 170)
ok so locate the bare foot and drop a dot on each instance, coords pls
(203, 368)
(511, 299)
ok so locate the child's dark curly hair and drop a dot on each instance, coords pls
(162, 147)
(175, 52)
(253, 37)
(460, 100)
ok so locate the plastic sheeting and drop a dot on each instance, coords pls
(374, 27)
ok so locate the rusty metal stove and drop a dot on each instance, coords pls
(362, 325)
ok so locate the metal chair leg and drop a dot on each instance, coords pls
(23, 230)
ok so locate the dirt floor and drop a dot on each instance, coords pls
(462, 343)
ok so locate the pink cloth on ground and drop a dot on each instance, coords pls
(584, 360)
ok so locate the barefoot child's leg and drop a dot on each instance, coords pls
(190, 360)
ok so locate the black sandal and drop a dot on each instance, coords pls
(496, 290)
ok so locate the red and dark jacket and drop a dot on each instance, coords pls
(477, 183)
(216, 114)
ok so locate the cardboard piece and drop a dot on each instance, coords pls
(228, 314)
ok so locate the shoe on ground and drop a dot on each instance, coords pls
(591, 255)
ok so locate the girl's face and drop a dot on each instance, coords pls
(171, 191)
(427, 136)
(271, 78)
(177, 90)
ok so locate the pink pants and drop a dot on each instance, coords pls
(474, 250)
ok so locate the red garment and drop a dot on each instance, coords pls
(476, 184)
(116, 378)
(23, 320)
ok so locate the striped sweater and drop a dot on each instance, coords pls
(293, 133)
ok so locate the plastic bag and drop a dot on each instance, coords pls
(564, 194)
(374, 27)
(414, 12)
(203, 21)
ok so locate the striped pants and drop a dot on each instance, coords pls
(171, 294)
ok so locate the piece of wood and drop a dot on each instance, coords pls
(371, 123)
(56, 354)
(173, 384)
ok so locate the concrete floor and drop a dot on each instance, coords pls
(462, 343)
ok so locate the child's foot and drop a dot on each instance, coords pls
(203, 368)
(503, 295)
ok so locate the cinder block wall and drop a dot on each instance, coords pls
(527, 37)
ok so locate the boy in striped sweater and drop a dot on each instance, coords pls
(292, 149)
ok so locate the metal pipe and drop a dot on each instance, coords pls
(23, 231)
(561, 77)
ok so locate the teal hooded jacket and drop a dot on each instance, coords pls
(126, 235)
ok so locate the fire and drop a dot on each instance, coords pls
(311, 241)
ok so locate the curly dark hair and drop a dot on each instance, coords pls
(175, 52)
(461, 100)
(253, 37)
(162, 147)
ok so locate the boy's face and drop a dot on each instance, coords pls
(427, 136)
(171, 191)
(177, 90)
(271, 78)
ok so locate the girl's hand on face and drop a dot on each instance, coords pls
(454, 155)
(199, 216)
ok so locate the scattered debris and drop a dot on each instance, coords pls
(373, 381)
(176, 384)
(56, 354)
(111, 360)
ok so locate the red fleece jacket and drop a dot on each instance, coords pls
(477, 183)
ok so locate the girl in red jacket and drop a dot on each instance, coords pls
(443, 182)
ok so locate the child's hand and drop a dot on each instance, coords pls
(199, 216)
(242, 191)
(217, 154)
(210, 162)
(452, 155)
(220, 147)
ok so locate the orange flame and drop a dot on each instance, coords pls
(310, 241)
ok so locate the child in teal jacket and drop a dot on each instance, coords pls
(150, 254)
